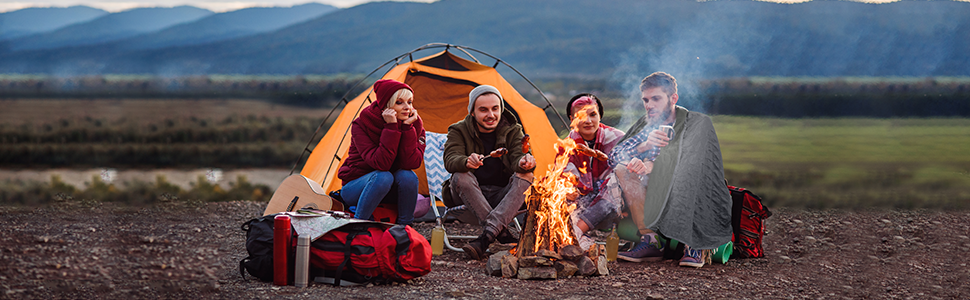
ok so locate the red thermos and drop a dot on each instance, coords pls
(281, 246)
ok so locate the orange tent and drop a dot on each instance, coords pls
(441, 84)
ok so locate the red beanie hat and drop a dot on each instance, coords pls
(385, 88)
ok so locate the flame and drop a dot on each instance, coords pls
(553, 188)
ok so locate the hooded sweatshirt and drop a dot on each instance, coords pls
(378, 145)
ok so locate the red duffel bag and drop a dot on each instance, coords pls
(404, 254)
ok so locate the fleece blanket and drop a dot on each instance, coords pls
(687, 198)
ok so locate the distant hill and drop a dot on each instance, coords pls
(228, 25)
(33, 20)
(591, 38)
(111, 27)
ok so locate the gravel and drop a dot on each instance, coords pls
(183, 251)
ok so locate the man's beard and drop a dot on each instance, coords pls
(660, 118)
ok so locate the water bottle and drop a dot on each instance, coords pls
(612, 245)
(302, 261)
(437, 239)
(281, 246)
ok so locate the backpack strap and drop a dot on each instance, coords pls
(343, 264)
(245, 227)
(242, 267)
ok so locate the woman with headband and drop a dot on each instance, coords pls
(585, 111)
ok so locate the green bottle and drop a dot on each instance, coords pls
(438, 239)
(612, 245)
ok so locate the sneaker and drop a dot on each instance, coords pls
(692, 257)
(648, 249)
(477, 247)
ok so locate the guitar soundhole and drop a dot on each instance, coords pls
(311, 205)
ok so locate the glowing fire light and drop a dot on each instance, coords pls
(553, 226)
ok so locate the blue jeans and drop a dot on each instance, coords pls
(399, 187)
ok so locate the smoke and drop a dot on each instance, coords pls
(685, 52)
(712, 40)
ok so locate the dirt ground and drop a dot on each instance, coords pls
(79, 251)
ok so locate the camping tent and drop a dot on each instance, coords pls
(441, 84)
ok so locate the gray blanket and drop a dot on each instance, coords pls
(687, 198)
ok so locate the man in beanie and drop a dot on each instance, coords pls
(493, 187)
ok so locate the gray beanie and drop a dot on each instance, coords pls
(480, 90)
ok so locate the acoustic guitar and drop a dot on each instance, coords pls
(296, 192)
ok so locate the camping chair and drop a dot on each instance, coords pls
(434, 167)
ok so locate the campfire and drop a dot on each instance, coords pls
(547, 248)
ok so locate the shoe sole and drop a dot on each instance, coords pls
(634, 259)
(691, 264)
(471, 252)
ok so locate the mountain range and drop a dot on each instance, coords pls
(548, 38)
(111, 27)
(40, 19)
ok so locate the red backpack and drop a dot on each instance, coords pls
(369, 251)
(748, 219)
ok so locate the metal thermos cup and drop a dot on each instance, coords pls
(302, 261)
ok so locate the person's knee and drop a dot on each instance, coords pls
(381, 179)
(405, 177)
(525, 176)
(463, 179)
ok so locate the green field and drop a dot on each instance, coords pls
(851, 162)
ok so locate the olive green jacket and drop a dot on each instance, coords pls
(463, 140)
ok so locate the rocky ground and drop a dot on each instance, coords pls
(93, 251)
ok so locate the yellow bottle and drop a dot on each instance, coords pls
(612, 245)
(437, 239)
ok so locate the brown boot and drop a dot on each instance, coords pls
(506, 237)
(477, 247)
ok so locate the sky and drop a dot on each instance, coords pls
(223, 5)
(213, 5)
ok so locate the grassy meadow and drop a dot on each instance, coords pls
(849, 162)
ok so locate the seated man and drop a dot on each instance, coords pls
(686, 199)
(483, 183)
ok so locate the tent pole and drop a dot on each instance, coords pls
(527, 80)
(396, 60)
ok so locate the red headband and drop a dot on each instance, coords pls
(582, 101)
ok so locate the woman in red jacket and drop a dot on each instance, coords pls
(387, 144)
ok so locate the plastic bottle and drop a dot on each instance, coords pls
(612, 245)
(281, 246)
(302, 261)
(438, 239)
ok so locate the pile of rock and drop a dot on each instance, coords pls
(545, 264)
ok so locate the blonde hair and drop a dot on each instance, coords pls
(402, 93)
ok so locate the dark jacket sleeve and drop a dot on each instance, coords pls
(514, 145)
(412, 147)
(380, 155)
(454, 155)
